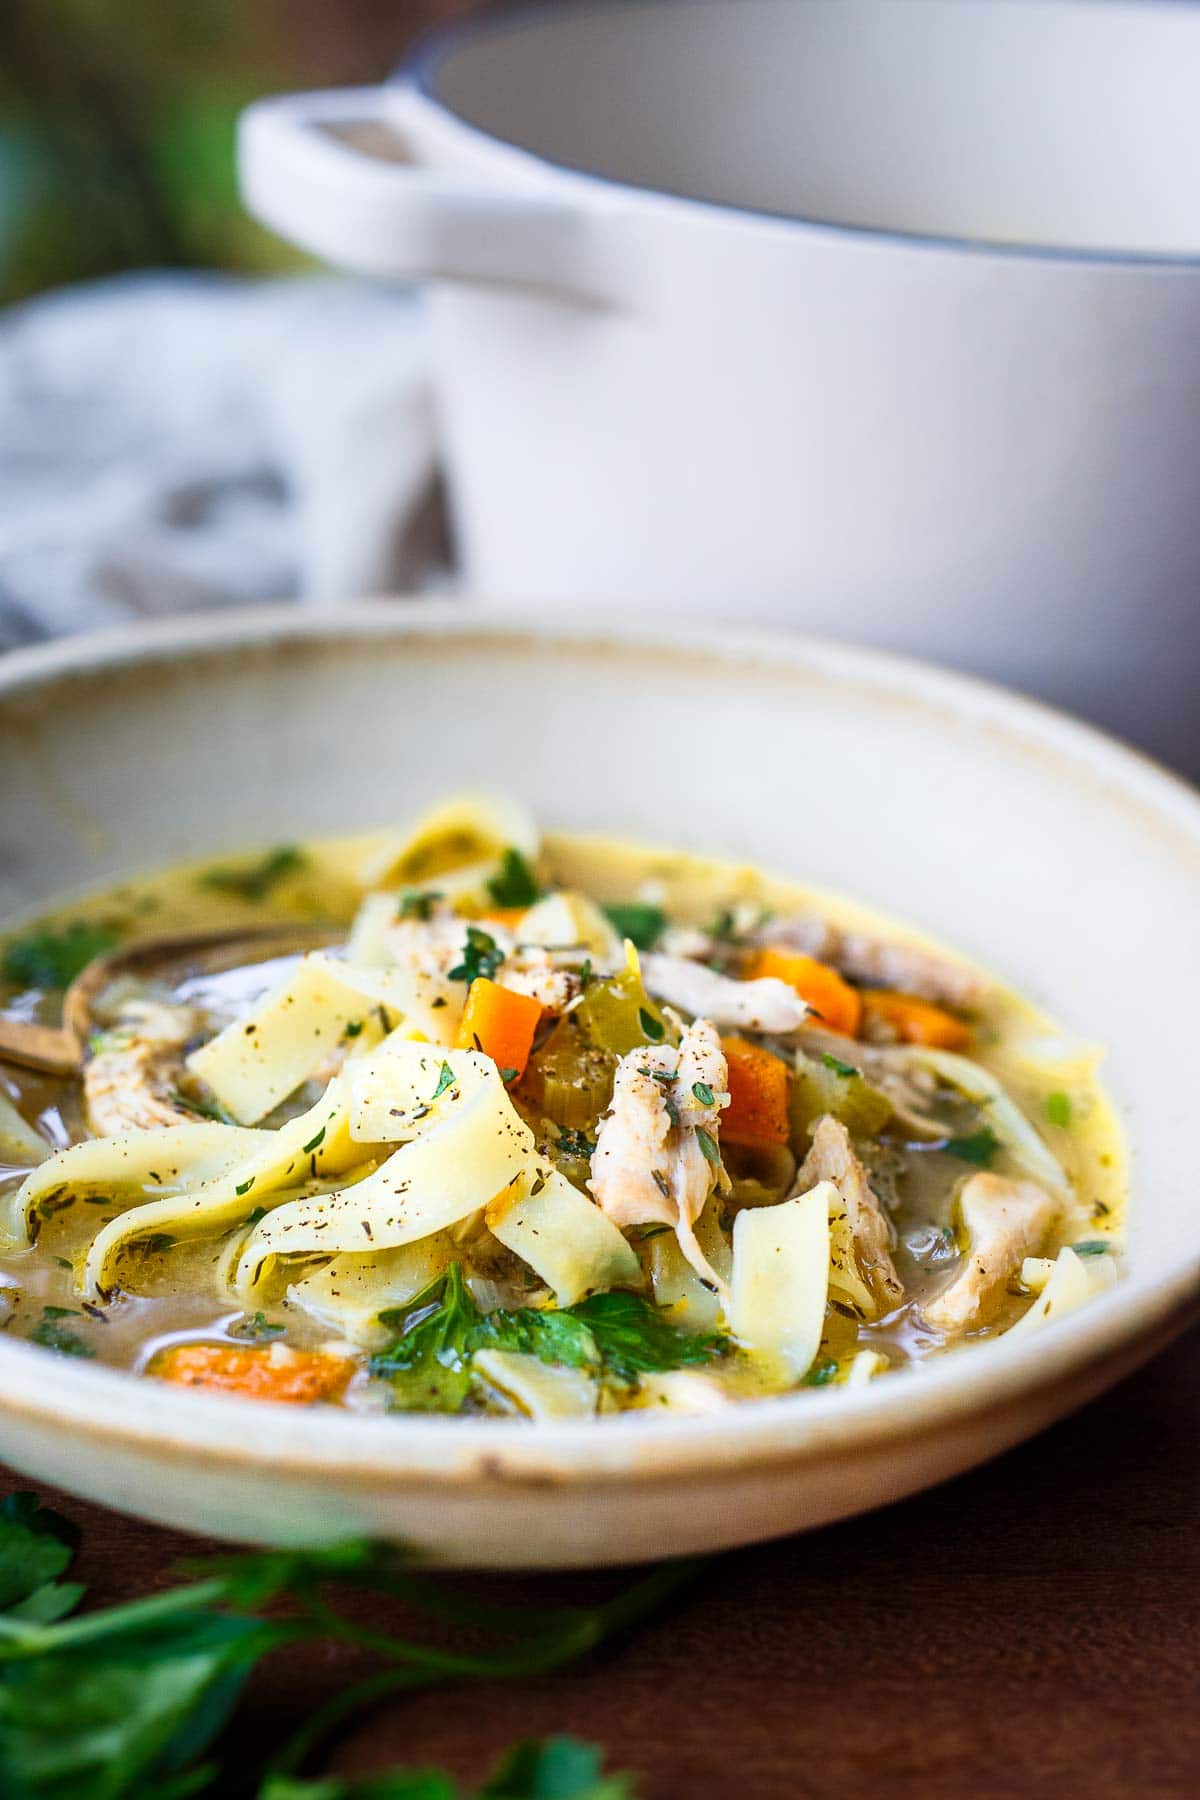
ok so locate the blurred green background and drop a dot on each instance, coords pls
(117, 121)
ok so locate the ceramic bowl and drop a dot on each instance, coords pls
(1061, 860)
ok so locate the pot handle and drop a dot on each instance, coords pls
(331, 172)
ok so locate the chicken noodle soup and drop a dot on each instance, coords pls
(550, 1127)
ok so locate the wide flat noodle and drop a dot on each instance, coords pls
(429, 1184)
(1073, 1281)
(264, 1056)
(569, 920)
(18, 1139)
(315, 1146)
(542, 1390)
(1011, 1126)
(781, 1276)
(676, 1285)
(394, 1095)
(562, 1235)
(166, 1161)
(367, 945)
(350, 1292)
(470, 832)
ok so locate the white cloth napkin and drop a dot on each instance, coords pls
(171, 442)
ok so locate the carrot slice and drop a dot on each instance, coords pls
(913, 1020)
(839, 1005)
(500, 1022)
(297, 1377)
(758, 1095)
(507, 916)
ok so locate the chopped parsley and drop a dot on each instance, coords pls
(256, 1327)
(514, 883)
(354, 1028)
(314, 1143)
(256, 880)
(708, 1148)
(203, 1109)
(418, 904)
(724, 926)
(844, 1069)
(1092, 1247)
(574, 1143)
(615, 1336)
(52, 1335)
(445, 1080)
(822, 1372)
(244, 1188)
(703, 1093)
(642, 923)
(654, 1028)
(481, 957)
(979, 1148)
(52, 959)
(1058, 1109)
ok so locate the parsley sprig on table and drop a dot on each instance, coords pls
(129, 1702)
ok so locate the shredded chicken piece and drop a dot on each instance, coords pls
(433, 947)
(765, 1005)
(131, 1082)
(876, 962)
(832, 1158)
(533, 971)
(649, 1165)
(1006, 1220)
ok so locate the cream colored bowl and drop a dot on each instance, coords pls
(1059, 859)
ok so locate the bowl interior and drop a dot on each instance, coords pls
(1061, 123)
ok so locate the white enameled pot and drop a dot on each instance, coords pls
(1063, 861)
(877, 317)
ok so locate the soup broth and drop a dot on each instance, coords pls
(553, 1127)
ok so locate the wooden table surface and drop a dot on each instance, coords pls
(1030, 1629)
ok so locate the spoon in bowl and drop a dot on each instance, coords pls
(58, 1049)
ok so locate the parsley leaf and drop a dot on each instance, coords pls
(554, 1769)
(514, 883)
(703, 1093)
(633, 1338)
(482, 956)
(616, 1336)
(418, 904)
(255, 881)
(845, 1069)
(52, 959)
(637, 920)
(36, 1547)
(256, 1326)
(708, 1148)
(536, 1769)
(427, 1364)
(822, 1372)
(654, 1028)
(53, 1336)
(1058, 1109)
(574, 1144)
(445, 1080)
(979, 1148)
(127, 1702)
(1092, 1247)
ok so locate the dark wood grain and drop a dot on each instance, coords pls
(1032, 1629)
